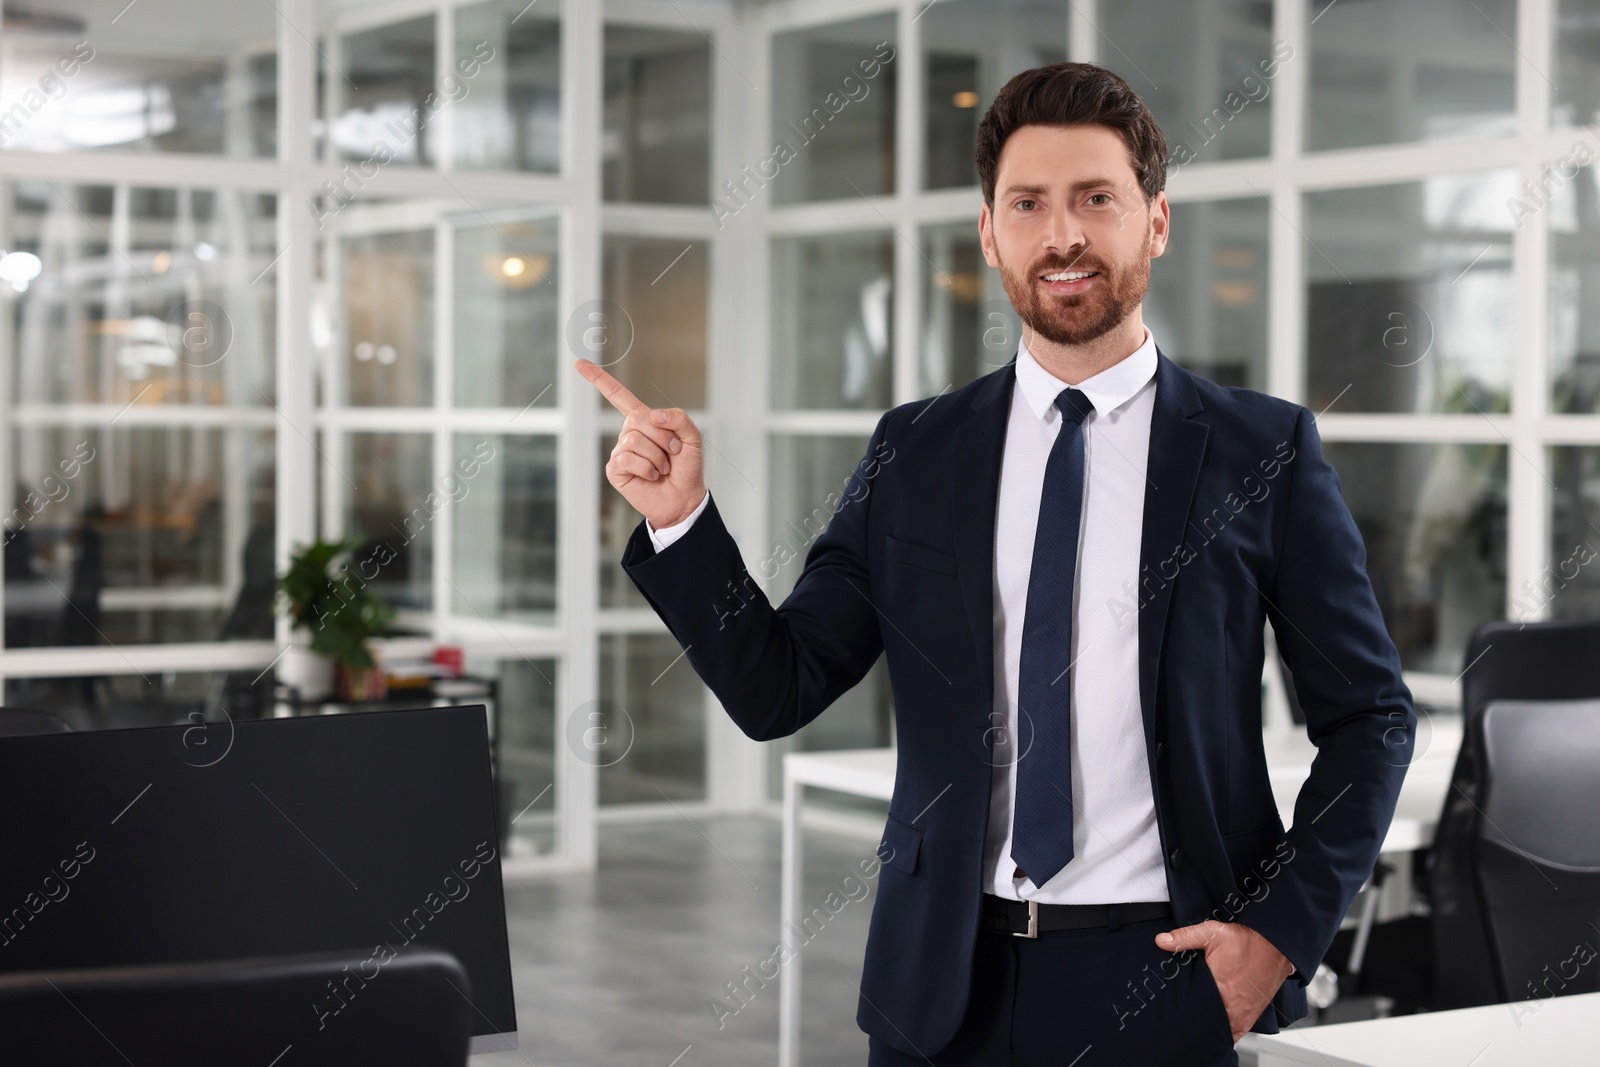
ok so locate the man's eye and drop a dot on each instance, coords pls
(1101, 196)
(1025, 204)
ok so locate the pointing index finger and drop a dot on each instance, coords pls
(613, 390)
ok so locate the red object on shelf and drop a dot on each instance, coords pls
(451, 658)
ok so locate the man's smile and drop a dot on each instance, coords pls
(1068, 282)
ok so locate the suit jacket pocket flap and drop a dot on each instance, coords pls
(918, 556)
(900, 844)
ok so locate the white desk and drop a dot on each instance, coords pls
(862, 772)
(1558, 1032)
(870, 773)
(1422, 793)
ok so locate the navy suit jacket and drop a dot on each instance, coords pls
(1243, 521)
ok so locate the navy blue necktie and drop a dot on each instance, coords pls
(1041, 840)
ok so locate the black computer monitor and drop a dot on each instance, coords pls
(371, 831)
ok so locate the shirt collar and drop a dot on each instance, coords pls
(1107, 391)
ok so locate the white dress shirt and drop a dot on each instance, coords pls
(1116, 846)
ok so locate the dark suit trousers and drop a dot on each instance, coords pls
(1083, 998)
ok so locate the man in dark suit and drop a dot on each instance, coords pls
(1068, 563)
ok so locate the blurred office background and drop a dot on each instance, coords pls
(273, 269)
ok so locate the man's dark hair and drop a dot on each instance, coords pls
(1071, 94)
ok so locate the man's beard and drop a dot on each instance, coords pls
(1081, 317)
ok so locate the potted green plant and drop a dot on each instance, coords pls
(324, 597)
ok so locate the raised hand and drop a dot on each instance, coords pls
(656, 465)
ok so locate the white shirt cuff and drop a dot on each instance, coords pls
(667, 534)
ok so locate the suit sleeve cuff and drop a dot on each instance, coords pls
(663, 537)
(1280, 920)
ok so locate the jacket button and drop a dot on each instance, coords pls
(1175, 858)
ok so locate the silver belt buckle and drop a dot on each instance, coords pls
(1033, 922)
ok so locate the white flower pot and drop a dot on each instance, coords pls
(308, 672)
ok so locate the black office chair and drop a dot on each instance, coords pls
(22, 722)
(1536, 847)
(1505, 661)
(331, 1009)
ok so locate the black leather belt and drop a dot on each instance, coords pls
(1029, 918)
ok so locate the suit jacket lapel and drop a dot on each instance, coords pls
(979, 446)
(1177, 447)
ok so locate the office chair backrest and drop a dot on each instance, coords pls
(1553, 660)
(1545, 661)
(21, 722)
(1537, 845)
(331, 1009)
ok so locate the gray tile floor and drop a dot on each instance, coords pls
(620, 967)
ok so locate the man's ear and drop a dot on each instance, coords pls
(986, 235)
(1160, 224)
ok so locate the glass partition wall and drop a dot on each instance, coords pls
(322, 270)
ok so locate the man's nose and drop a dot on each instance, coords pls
(1064, 234)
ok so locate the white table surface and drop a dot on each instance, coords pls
(862, 772)
(869, 772)
(1556, 1032)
